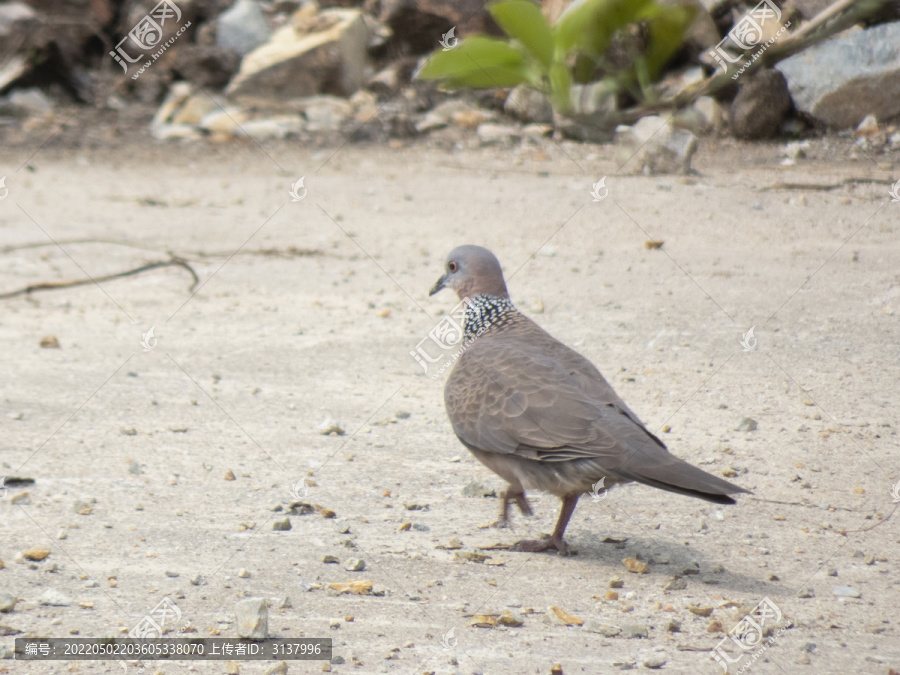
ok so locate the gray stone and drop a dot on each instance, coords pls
(283, 524)
(355, 565)
(662, 147)
(325, 53)
(596, 626)
(478, 488)
(747, 424)
(806, 592)
(252, 618)
(846, 592)
(654, 661)
(27, 103)
(676, 584)
(328, 426)
(760, 106)
(528, 105)
(7, 602)
(54, 598)
(15, 19)
(327, 113)
(635, 631)
(279, 668)
(242, 28)
(842, 80)
(492, 134)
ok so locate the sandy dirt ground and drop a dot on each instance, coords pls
(309, 310)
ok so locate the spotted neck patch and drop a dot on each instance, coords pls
(484, 311)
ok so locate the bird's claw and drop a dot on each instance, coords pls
(538, 545)
(500, 523)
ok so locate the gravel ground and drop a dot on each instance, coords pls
(154, 466)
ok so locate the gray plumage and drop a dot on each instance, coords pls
(540, 415)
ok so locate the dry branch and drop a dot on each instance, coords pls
(52, 286)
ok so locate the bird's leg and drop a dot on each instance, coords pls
(524, 506)
(509, 495)
(556, 539)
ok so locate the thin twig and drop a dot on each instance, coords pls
(52, 286)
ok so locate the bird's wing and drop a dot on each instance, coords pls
(510, 397)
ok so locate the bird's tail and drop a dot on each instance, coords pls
(682, 478)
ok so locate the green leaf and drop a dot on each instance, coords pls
(560, 86)
(471, 55)
(491, 77)
(589, 25)
(666, 32)
(523, 21)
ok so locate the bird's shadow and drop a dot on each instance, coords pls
(666, 559)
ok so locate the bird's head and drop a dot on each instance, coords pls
(471, 271)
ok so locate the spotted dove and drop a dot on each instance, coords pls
(540, 415)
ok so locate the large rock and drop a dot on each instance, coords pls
(841, 81)
(323, 54)
(252, 617)
(419, 24)
(760, 106)
(661, 146)
(16, 19)
(208, 66)
(242, 28)
(528, 105)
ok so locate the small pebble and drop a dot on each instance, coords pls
(243, 573)
(676, 584)
(806, 592)
(281, 525)
(655, 661)
(330, 427)
(747, 424)
(635, 631)
(355, 565)
(36, 553)
(846, 592)
(331, 559)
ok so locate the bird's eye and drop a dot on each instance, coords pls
(451, 266)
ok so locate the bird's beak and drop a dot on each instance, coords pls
(439, 285)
